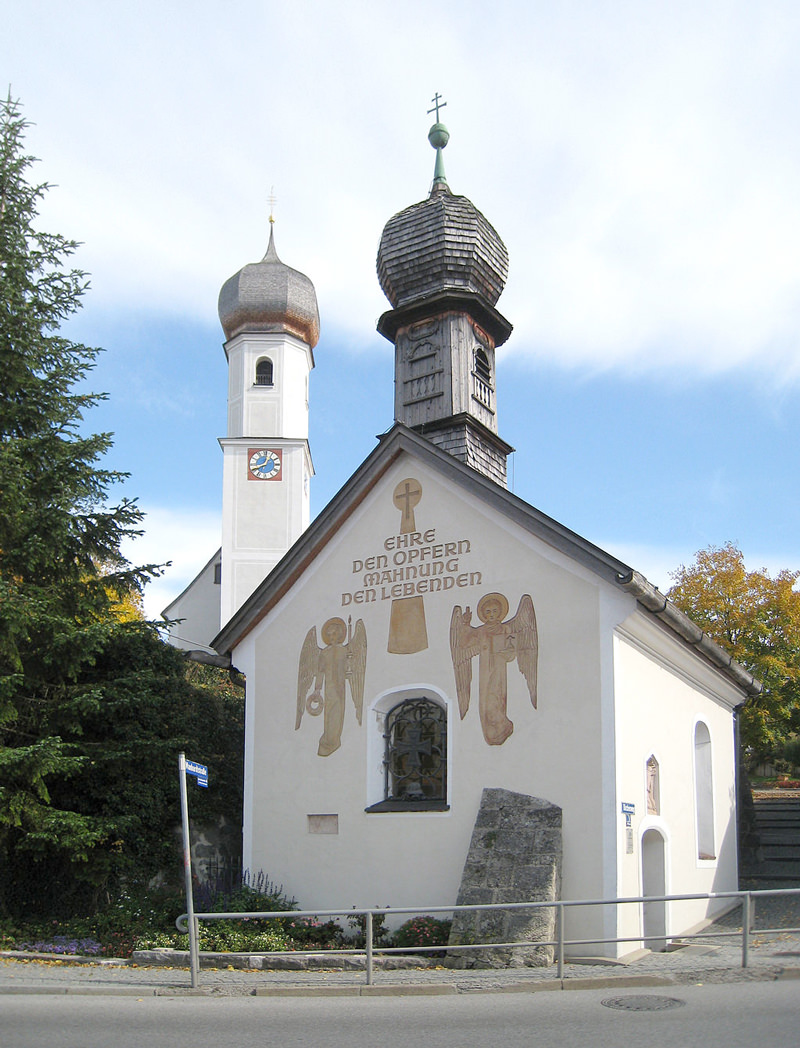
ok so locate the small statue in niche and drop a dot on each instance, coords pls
(343, 660)
(653, 788)
(496, 643)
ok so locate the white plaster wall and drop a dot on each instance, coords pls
(245, 663)
(263, 414)
(198, 608)
(280, 410)
(261, 519)
(555, 752)
(661, 694)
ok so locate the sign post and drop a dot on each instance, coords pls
(200, 772)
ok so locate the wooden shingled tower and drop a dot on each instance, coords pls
(443, 267)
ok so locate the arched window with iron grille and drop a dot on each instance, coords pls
(415, 757)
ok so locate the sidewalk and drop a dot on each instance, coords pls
(706, 960)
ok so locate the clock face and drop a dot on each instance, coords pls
(263, 464)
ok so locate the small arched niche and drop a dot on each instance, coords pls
(652, 771)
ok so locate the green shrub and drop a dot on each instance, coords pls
(220, 940)
(140, 918)
(241, 893)
(422, 931)
(358, 937)
(310, 933)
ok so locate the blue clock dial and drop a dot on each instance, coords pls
(264, 464)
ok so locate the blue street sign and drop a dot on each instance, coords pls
(200, 772)
(628, 808)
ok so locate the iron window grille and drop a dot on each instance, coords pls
(415, 758)
(264, 372)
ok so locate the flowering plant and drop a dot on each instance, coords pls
(422, 931)
(63, 944)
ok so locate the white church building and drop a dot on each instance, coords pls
(431, 635)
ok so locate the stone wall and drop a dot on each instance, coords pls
(514, 856)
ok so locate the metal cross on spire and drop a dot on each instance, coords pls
(272, 200)
(437, 105)
(438, 136)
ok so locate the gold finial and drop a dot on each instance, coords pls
(272, 200)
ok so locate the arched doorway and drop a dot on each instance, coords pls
(654, 882)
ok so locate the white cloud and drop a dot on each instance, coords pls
(187, 538)
(640, 160)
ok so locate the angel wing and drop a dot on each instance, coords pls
(306, 671)
(526, 636)
(462, 648)
(357, 666)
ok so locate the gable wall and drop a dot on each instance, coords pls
(555, 751)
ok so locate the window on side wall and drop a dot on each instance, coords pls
(704, 792)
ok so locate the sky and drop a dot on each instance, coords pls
(641, 162)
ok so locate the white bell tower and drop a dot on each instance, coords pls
(269, 314)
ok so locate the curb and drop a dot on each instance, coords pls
(102, 991)
(388, 990)
(68, 958)
(442, 989)
(392, 990)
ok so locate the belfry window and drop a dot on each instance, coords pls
(264, 372)
(482, 367)
(482, 388)
(415, 757)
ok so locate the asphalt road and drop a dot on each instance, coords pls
(738, 1015)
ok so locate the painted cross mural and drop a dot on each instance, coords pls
(408, 632)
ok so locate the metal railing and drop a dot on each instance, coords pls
(560, 943)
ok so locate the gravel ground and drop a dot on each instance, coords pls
(773, 955)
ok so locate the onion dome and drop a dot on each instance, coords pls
(269, 296)
(443, 243)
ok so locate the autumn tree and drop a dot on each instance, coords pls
(92, 702)
(756, 618)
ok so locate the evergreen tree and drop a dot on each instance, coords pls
(90, 704)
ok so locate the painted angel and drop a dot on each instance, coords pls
(496, 643)
(325, 673)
